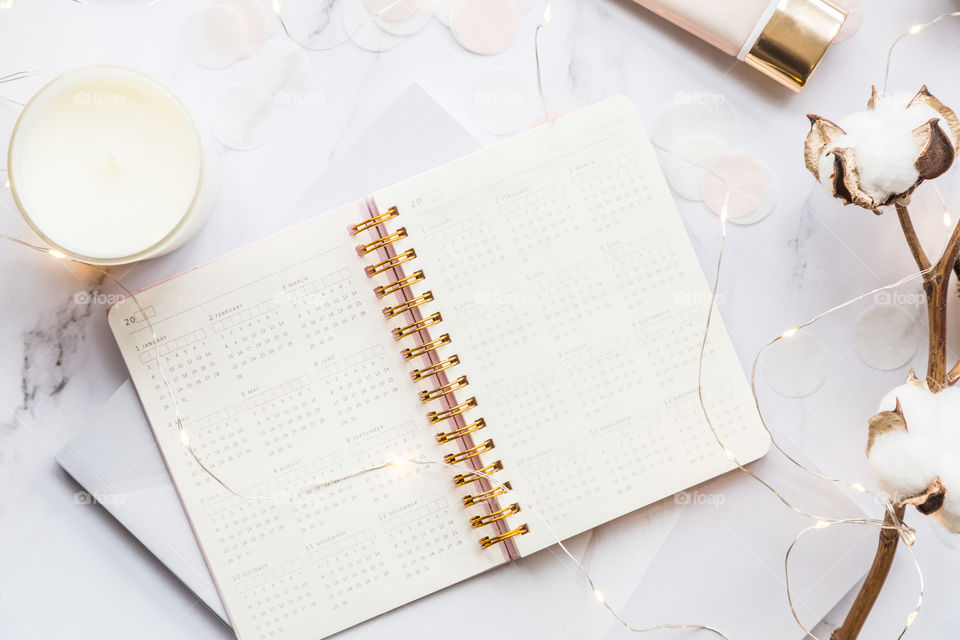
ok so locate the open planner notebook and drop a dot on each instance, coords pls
(532, 312)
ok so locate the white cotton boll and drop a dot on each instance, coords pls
(949, 423)
(883, 142)
(921, 409)
(903, 464)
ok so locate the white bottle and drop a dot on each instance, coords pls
(785, 39)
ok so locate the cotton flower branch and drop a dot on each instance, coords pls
(876, 159)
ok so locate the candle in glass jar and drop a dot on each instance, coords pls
(108, 167)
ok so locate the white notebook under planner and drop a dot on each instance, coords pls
(529, 316)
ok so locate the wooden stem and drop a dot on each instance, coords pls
(886, 550)
(936, 286)
(912, 240)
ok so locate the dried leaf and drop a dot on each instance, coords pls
(912, 379)
(931, 500)
(846, 181)
(936, 152)
(885, 422)
(873, 98)
(954, 374)
(925, 97)
(822, 133)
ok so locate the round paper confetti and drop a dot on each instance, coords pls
(226, 31)
(854, 19)
(487, 27)
(696, 113)
(886, 337)
(796, 366)
(363, 30)
(501, 102)
(243, 117)
(402, 18)
(751, 187)
(686, 160)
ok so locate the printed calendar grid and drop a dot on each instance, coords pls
(269, 575)
(233, 501)
(245, 315)
(168, 347)
(354, 360)
(274, 393)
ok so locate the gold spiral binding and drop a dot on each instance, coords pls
(380, 243)
(403, 307)
(398, 285)
(446, 414)
(466, 478)
(374, 221)
(434, 369)
(402, 332)
(487, 542)
(439, 392)
(409, 302)
(390, 263)
(489, 494)
(466, 454)
(426, 347)
(481, 521)
(449, 436)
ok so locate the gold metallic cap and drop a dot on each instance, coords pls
(794, 40)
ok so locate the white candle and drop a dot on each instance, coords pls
(108, 167)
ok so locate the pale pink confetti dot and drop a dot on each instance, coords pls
(400, 17)
(749, 183)
(851, 25)
(487, 27)
(210, 37)
(258, 21)
(227, 31)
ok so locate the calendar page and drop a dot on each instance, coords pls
(577, 307)
(286, 377)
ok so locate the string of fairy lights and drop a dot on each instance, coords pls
(819, 523)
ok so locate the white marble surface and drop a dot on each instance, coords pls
(68, 569)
